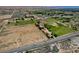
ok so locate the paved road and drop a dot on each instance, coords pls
(40, 44)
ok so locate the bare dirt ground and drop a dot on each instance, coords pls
(5, 16)
(17, 36)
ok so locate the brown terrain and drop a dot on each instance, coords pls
(5, 16)
(17, 36)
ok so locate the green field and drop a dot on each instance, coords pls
(51, 20)
(22, 22)
(57, 30)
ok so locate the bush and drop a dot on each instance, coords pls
(55, 35)
(55, 49)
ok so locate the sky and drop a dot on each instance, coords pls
(67, 6)
(39, 3)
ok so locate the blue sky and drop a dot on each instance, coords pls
(66, 6)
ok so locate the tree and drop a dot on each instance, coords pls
(55, 49)
(55, 35)
(22, 18)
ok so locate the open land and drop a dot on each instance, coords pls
(20, 36)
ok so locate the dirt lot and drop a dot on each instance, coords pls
(16, 36)
(5, 16)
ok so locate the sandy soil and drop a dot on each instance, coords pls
(17, 36)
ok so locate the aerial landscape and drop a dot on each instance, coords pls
(39, 29)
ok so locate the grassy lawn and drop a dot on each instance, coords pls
(22, 22)
(52, 20)
(59, 30)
